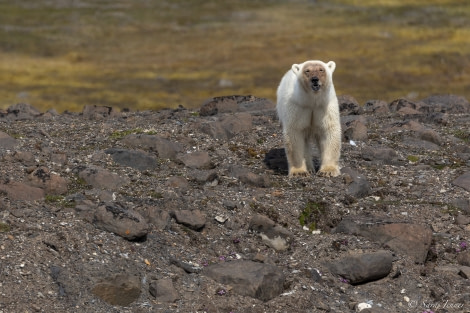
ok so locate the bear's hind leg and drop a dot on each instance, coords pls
(295, 152)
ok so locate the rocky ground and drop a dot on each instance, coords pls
(192, 211)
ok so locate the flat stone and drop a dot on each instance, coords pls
(197, 160)
(228, 126)
(178, 182)
(355, 130)
(115, 218)
(363, 268)
(7, 142)
(248, 278)
(465, 272)
(378, 107)
(410, 239)
(118, 290)
(165, 148)
(22, 191)
(348, 105)
(53, 184)
(380, 155)
(136, 159)
(359, 186)
(101, 178)
(163, 290)
(22, 111)
(193, 219)
(463, 181)
(464, 258)
(248, 177)
(98, 112)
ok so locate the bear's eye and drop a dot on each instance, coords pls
(307, 71)
(322, 70)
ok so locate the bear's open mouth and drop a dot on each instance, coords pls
(315, 86)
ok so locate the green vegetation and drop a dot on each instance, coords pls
(413, 158)
(311, 214)
(4, 227)
(463, 135)
(59, 200)
(156, 54)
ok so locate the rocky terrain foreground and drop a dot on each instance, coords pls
(192, 211)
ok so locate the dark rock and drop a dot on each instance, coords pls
(115, 218)
(217, 105)
(249, 178)
(197, 160)
(118, 290)
(165, 148)
(57, 274)
(21, 191)
(355, 130)
(7, 142)
(359, 186)
(378, 107)
(463, 181)
(101, 178)
(178, 182)
(363, 268)
(434, 117)
(465, 272)
(410, 239)
(96, 112)
(231, 104)
(447, 104)
(431, 136)
(193, 219)
(163, 290)
(22, 111)
(228, 126)
(248, 278)
(463, 204)
(349, 106)
(378, 155)
(407, 107)
(203, 176)
(52, 183)
(419, 143)
(157, 217)
(135, 159)
(464, 258)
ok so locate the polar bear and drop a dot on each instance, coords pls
(308, 110)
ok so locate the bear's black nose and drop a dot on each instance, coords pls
(315, 80)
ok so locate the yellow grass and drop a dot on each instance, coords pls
(149, 55)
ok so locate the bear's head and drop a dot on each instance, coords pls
(315, 75)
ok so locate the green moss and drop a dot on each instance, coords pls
(119, 134)
(463, 135)
(413, 158)
(311, 214)
(4, 227)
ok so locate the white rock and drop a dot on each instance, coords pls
(362, 306)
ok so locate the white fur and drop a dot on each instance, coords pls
(308, 116)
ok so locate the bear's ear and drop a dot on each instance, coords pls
(295, 68)
(331, 65)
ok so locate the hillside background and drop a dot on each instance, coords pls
(144, 54)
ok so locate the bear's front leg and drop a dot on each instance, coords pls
(329, 143)
(295, 152)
